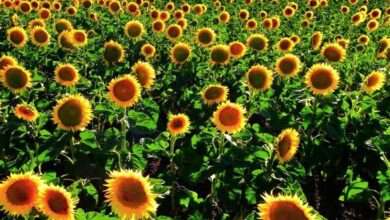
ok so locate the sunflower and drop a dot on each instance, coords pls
(15, 78)
(198, 9)
(17, 36)
(148, 50)
(145, 74)
(267, 23)
(46, 4)
(164, 15)
(363, 40)
(66, 75)
(219, 54)
(333, 52)
(322, 79)
(293, 5)
(375, 13)
(314, 4)
(26, 112)
(56, 203)
(309, 15)
(357, 18)
(372, 25)
(180, 53)
(316, 40)
(113, 52)
(288, 12)
(244, 14)
(87, 3)
(25, 7)
(72, 113)
(114, 7)
(7, 61)
(158, 26)
(39, 36)
(353, 2)
(63, 25)
(78, 38)
(275, 22)
(324, 3)
(174, 32)
(170, 6)
(186, 8)
(258, 42)
(132, 7)
(134, 30)
(36, 23)
(178, 14)
(259, 78)
(214, 94)
(251, 24)
(124, 91)
(182, 22)
(224, 17)
(178, 124)
(374, 81)
(284, 207)
(57, 6)
(285, 45)
(296, 39)
(287, 144)
(205, 37)
(343, 43)
(64, 40)
(384, 45)
(288, 66)
(19, 193)
(35, 4)
(344, 9)
(263, 14)
(229, 117)
(44, 14)
(237, 49)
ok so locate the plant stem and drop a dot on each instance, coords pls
(172, 167)
(71, 147)
(217, 175)
(123, 148)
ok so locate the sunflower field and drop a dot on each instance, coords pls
(196, 109)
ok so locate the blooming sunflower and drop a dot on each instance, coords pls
(178, 124)
(39, 36)
(44, 14)
(374, 81)
(375, 13)
(288, 66)
(288, 12)
(113, 52)
(64, 40)
(214, 94)
(267, 23)
(17, 36)
(287, 144)
(25, 7)
(316, 40)
(372, 25)
(205, 37)
(174, 32)
(182, 22)
(178, 14)
(72, 113)
(285, 45)
(384, 44)
(134, 30)
(114, 7)
(322, 79)
(7, 61)
(296, 39)
(37, 22)
(229, 117)
(63, 25)
(15, 78)
(186, 8)
(130, 195)
(258, 42)
(333, 52)
(57, 6)
(26, 112)
(259, 78)
(284, 207)
(263, 14)
(148, 50)
(344, 9)
(363, 39)
(219, 54)
(275, 22)
(224, 17)
(180, 53)
(357, 18)
(244, 14)
(66, 75)
(56, 203)
(78, 38)
(237, 49)
(343, 43)
(158, 26)
(124, 91)
(145, 74)
(19, 193)
(251, 24)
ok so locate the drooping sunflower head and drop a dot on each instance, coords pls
(374, 81)
(7, 61)
(174, 32)
(17, 36)
(134, 30)
(383, 45)
(363, 39)
(63, 25)
(130, 195)
(25, 7)
(158, 26)
(124, 91)
(372, 25)
(205, 37)
(26, 112)
(244, 14)
(178, 124)
(322, 79)
(287, 144)
(145, 74)
(224, 17)
(237, 49)
(39, 36)
(258, 42)
(180, 53)
(19, 193)
(37, 22)
(66, 75)
(284, 207)
(15, 78)
(259, 78)
(214, 94)
(72, 113)
(333, 52)
(148, 50)
(56, 203)
(44, 14)
(251, 24)
(288, 66)
(229, 117)
(79, 38)
(316, 40)
(64, 40)
(113, 52)
(219, 54)
(285, 45)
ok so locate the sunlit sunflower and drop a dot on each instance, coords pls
(113, 52)
(36, 23)
(35, 4)
(19, 193)
(178, 124)
(224, 17)
(296, 39)
(164, 15)
(258, 42)
(158, 26)
(284, 207)
(132, 7)
(79, 38)
(66, 75)
(322, 79)
(374, 81)
(316, 40)
(333, 52)
(134, 30)
(148, 50)
(383, 46)
(72, 113)
(64, 40)
(7, 61)
(251, 24)
(63, 25)
(372, 25)
(285, 45)
(56, 203)
(363, 39)
(357, 18)
(237, 49)
(145, 74)
(46, 4)
(178, 14)
(275, 22)
(26, 112)
(267, 23)
(214, 94)
(186, 8)
(205, 37)
(182, 22)
(180, 53)
(219, 54)
(259, 78)
(25, 7)
(288, 66)
(288, 12)
(287, 144)
(263, 14)
(39, 36)
(17, 36)
(15, 78)
(87, 3)
(15, 20)
(114, 7)
(244, 14)
(343, 43)
(229, 117)
(199, 9)
(130, 195)
(44, 14)
(57, 6)
(344, 9)
(124, 91)
(174, 32)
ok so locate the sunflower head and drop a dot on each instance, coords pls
(258, 42)
(372, 25)
(63, 25)
(182, 22)
(229, 117)
(158, 26)
(343, 43)
(132, 7)
(178, 14)
(113, 52)
(56, 203)
(174, 32)
(374, 81)
(15, 78)
(164, 15)
(145, 74)
(87, 3)
(333, 52)
(134, 30)
(26, 112)
(267, 23)
(78, 38)
(263, 14)
(375, 13)
(214, 94)
(180, 53)
(344, 9)
(130, 195)
(64, 40)
(251, 24)
(7, 61)
(17, 36)
(72, 113)
(57, 6)
(316, 40)
(288, 12)
(357, 18)
(244, 14)
(148, 50)
(314, 4)
(25, 7)
(288, 66)
(363, 39)
(224, 17)
(287, 144)
(66, 75)
(178, 124)
(296, 39)
(285, 45)
(124, 91)
(322, 79)
(237, 49)
(114, 7)
(205, 37)
(36, 23)
(186, 8)
(275, 22)
(219, 54)
(44, 14)
(170, 6)
(383, 45)
(39, 36)
(259, 78)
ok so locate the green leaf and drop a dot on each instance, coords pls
(89, 139)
